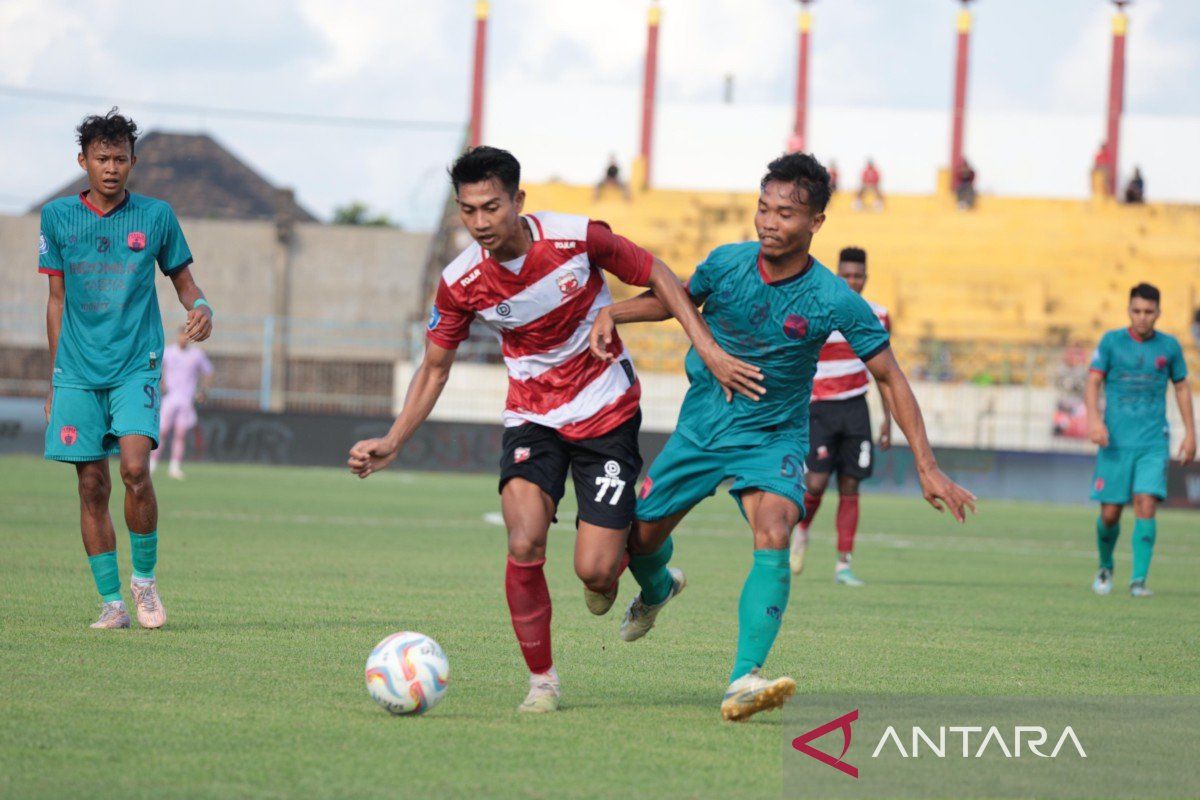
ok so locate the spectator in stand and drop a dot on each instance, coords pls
(870, 183)
(612, 179)
(965, 190)
(1135, 190)
(1101, 166)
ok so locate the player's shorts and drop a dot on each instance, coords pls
(85, 424)
(840, 438)
(604, 469)
(178, 412)
(685, 473)
(1123, 472)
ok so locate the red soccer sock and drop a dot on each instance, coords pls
(847, 522)
(529, 605)
(811, 503)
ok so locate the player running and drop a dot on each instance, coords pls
(770, 302)
(1134, 364)
(536, 280)
(106, 341)
(840, 430)
(187, 374)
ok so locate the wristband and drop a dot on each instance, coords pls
(200, 301)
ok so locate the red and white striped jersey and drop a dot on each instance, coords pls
(840, 374)
(542, 309)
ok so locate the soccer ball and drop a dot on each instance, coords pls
(407, 673)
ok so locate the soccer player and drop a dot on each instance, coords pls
(1134, 364)
(770, 302)
(536, 281)
(187, 374)
(105, 332)
(840, 430)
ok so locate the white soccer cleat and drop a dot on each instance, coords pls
(112, 615)
(1138, 589)
(150, 611)
(799, 548)
(174, 471)
(844, 576)
(599, 603)
(1103, 583)
(753, 693)
(639, 617)
(544, 696)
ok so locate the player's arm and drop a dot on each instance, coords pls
(54, 314)
(372, 455)
(940, 492)
(1183, 396)
(199, 319)
(1097, 430)
(885, 427)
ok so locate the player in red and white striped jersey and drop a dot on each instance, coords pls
(840, 430)
(537, 282)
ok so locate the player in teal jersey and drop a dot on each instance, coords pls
(100, 249)
(771, 304)
(1135, 364)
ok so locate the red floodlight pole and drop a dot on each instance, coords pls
(1116, 92)
(477, 82)
(642, 169)
(961, 60)
(799, 141)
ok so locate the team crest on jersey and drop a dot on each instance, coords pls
(795, 327)
(568, 283)
(68, 435)
(647, 486)
(1099, 484)
(102, 244)
(43, 245)
(435, 317)
(504, 309)
(520, 454)
(1160, 363)
(136, 241)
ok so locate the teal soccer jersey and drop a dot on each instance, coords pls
(1136, 374)
(111, 326)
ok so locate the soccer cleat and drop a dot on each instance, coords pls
(112, 615)
(1138, 589)
(639, 617)
(753, 693)
(799, 548)
(1103, 582)
(544, 697)
(174, 471)
(843, 576)
(599, 603)
(150, 611)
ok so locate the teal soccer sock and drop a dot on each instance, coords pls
(144, 547)
(1106, 542)
(1144, 533)
(106, 575)
(650, 571)
(760, 610)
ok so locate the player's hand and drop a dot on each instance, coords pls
(49, 402)
(733, 374)
(885, 435)
(1187, 450)
(601, 335)
(1099, 434)
(943, 493)
(199, 324)
(371, 455)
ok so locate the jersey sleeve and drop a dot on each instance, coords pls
(700, 285)
(1177, 364)
(50, 261)
(173, 254)
(1102, 358)
(618, 255)
(449, 322)
(856, 320)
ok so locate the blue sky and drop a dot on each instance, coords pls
(411, 59)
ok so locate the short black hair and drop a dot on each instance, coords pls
(1146, 292)
(111, 128)
(806, 173)
(854, 254)
(485, 163)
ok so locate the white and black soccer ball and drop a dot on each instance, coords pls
(407, 673)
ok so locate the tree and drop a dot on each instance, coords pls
(358, 213)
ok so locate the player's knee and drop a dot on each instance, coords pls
(136, 477)
(773, 533)
(524, 547)
(598, 576)
(94, 489)
(1110, 515)
(1144, 506)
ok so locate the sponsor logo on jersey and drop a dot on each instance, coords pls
(470, 277)
(68, 435)
(566, 245)
(102, 244)
(435, 317)
(612, 468)
(43, 245)
(504, 309)
(136, 241)
(568, 283)
(520, 454)
(795, 327)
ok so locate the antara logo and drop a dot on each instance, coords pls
(471, 276)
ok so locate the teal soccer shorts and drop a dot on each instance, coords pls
(1123, 472)
(685, 473)
(85, 424)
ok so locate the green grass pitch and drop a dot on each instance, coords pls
(279, 581)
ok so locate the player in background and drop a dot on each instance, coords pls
(769, 302)
(840, 430)
(537, 281)
(99, 249)
(187, 374)
(1134, 365)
